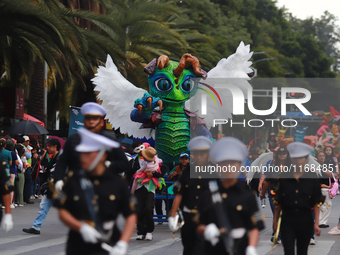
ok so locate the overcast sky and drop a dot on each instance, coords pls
(306, 8)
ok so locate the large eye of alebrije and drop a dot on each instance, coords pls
(188, 85)
(163, 84)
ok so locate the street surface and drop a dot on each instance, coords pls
(53, 236)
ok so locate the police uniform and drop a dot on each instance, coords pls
(69, 158)
(191, 190)
(238, 202)
(296, 198)
(110, 194)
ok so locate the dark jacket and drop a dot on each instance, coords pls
(69, 157)
(48, 175)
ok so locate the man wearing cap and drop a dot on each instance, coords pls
(189, 192)
(69, 158)
(184, 160)
(91, 201)
(238, 203)
(298, 191)
(174, 175)
(28, 148)
(53, 147)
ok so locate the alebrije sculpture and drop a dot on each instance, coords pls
(162, 111)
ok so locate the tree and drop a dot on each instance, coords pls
(133, 33)
(39, 32)
(34, 32)
(325, 31)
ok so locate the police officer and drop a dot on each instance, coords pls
(69, 158)
(298, 191)
(90, 202)
(238, 203)
(188, 195)
(6, 187)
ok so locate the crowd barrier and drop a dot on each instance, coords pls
(167, 197)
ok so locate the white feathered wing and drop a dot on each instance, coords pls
(234, 71)
(259, 164)
(118, 96)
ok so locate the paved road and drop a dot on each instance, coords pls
(53, 236)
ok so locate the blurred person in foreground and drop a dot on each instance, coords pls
(69, 162)
(238, 203)
(188, 193)
(90, 202)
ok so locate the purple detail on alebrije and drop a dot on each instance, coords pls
(190, 114)
(200, 121)
(156, 116)
(205, 75)
(151, 67)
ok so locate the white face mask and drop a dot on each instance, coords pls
(139, 148)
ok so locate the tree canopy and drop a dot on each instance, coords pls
(75, 36)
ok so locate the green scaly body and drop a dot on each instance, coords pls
(173, 133)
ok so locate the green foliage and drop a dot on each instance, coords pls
(75, 36)
(302, 48)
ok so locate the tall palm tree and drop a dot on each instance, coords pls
(44, 30)
(138, 31)
(39, 31)
(73, 38)
(33, 32)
